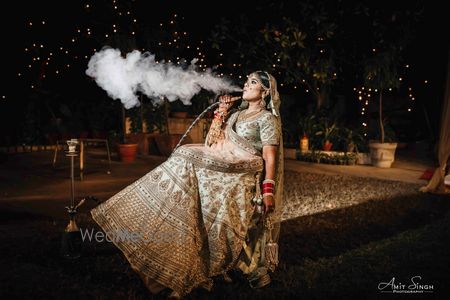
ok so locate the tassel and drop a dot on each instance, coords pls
(271, 248)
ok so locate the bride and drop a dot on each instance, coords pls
(205, 210)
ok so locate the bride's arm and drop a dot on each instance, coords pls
(269, 155)
(220, 116)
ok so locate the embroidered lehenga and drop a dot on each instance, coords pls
(192, 213)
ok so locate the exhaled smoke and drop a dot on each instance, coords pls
(122, 77)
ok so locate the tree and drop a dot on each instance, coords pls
(298, 49)
(392, 31)
(381, 73)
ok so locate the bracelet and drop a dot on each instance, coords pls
(269, 181)
(267, 194)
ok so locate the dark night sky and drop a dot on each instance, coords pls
(427, 54)
(63, 16)
(427, 50)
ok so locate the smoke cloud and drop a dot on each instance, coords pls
(123, 77)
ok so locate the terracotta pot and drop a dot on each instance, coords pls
(127, 152)
(327, 146)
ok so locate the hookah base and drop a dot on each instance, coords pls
(71, 244)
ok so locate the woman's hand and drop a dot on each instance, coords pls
(269, 204)
(226, 101)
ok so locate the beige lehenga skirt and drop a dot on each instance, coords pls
(186, 220)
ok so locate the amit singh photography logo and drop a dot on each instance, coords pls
(413, 286)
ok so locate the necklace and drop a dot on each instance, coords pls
(245, 116)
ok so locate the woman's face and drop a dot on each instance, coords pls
(253, 90)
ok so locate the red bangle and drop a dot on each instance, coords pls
(268, 185)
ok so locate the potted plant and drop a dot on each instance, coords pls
(380, 73)
(353, 140)
(328, 131)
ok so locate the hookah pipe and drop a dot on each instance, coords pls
(214, 105)
(71, 238)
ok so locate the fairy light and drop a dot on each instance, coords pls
(177, 38)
